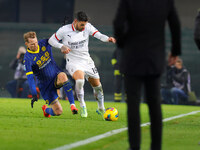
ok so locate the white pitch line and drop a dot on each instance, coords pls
(113, 132)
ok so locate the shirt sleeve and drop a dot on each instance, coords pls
(120, 23)
(94, 32)
(197, 30)
(54, 40)
(30, 77)
(175, 28)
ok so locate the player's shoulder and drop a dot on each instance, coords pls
(66, 28)
(28, 56)
(89, 25)
(43, 42)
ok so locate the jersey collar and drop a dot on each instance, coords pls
(34, 52)
(73, 28)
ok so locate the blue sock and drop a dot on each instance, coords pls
(69, 92)
(50, 111)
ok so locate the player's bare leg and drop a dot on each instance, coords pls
(55, 110)
(98, 93)
(62, 80)
(78, 76)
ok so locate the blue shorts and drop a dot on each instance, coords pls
(49, 91)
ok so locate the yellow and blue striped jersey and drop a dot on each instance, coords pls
(41, 64)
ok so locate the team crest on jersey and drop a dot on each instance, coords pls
(43, 48)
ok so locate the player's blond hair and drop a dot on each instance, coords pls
(28, 35)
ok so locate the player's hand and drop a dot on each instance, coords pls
(65, 49)
(111, 39)
(34, 99)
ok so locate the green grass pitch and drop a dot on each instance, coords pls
(24, 128)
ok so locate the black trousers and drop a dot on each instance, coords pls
(133, 86)
(118, 80)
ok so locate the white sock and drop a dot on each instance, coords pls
(98, 94)
(80, 91)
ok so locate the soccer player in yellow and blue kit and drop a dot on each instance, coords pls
(39, 61)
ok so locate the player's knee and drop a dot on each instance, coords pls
(80, 83)
(62, 77)
(173, 90)
(98, 89)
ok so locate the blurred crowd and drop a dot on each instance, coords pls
(18, 87)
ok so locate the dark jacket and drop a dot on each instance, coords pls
(197, 30)
(169, 77)
(179, 78)
(18, 66)
(139, 28)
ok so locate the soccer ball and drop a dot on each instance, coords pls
(111, 114)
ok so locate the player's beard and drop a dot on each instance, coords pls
(80, 29)
(77, 28)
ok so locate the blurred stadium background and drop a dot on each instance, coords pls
(46, 16)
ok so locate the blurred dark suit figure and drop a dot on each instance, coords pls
(197, 30)
(139, 28)
(118, 76)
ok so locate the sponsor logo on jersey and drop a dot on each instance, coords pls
(44, 60)
(77, 45)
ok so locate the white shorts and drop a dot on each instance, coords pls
(87, 66)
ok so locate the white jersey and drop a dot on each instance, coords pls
(77, 41)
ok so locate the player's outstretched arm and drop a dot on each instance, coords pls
(32, 86)
(53, 41)
(104, 38)
(31, 81)
(111, 39)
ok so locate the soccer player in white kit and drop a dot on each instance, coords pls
(75, 38)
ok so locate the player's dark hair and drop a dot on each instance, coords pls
(81, 16)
